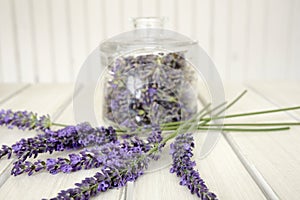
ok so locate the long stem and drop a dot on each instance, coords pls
(254, 113)
(257, 124)
(246, 130)
(59, 124)
(234, 129)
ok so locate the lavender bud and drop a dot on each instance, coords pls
(183, 167)
(24, 120)
(71, 137)
(124, 165)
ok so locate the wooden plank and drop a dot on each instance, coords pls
(7, 91)
(276, 57)
(221, 170)
(238, 40)
(112, 17)
(168, 10)
(149, 8)
(272, 156)
(185, 14)
(45, 185)
(25, 40)
(78, 35)
(280, 93)
(43, 40)
(202, 21)
(130, 10)
(9, 46)
(43, 99)
(294, 40)
(221, 35)
(255, 66)
(95, 23)
(61, 41)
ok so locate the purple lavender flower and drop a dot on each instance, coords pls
(183, 166)
(24, 120)
(71, 137)
(126, 165)
(155, 136)
(139, 82)
(5, 150)
(86, 159)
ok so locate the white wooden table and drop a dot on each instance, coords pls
(241, 166)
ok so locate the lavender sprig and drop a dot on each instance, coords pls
(71, 137)
(86, 159)
(5, 150)
(114, 174)
(183, 166)
(24, 120)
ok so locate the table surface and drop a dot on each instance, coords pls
(250, 165)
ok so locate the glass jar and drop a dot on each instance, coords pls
(146, 77)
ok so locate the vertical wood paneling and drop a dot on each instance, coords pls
(185, 17)
(9, 45)
(95, 25)
(295, 41)
(202, 23)
(149, 8)
(167, 9)
(130, 10)
(238, 40)
(112, 17)
(277, 37)
(220, 35)
(1, 66)
(44, 51)
(78, 34)
(25, 40)
(48, 40)
(257, 23)
(61, 41)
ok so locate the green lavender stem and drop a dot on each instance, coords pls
(253, 113)
(257, 124)
(237, 129)
(59, 124)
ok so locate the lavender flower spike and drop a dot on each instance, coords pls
(116, 172)
(86, 159)
(181, 151)
(5, 150)
(24, 120)
(70, 137)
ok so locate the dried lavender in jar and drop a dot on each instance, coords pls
(150, 89)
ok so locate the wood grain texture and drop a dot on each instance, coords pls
(280, 93)
(221, 169)
(45, 185)
(62, 46)
(7, 91)
(9, 44)
(48, 40)
(43, 99)
(275, 154)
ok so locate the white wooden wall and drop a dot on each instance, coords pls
(48, 40)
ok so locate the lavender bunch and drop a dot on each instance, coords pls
(70, 137)
(24, 120)
(124, 165)
(183, 167)
(86, 159)
(149, 87)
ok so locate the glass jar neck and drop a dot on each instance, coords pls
(148, 22)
